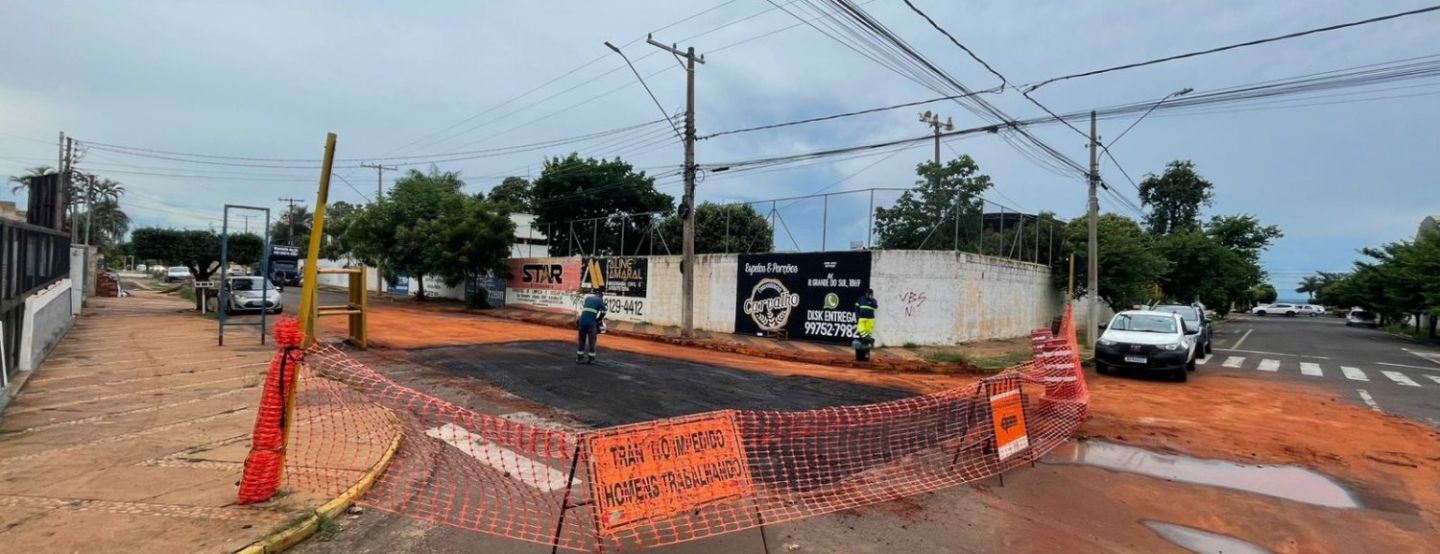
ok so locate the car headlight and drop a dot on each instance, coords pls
(1173, 347)
(1106, 342)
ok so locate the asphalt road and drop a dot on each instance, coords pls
(1366, 366)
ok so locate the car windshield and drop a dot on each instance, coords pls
(179, 269)
(249, 283)
(1186, 312)
(1145, 323)
(1362, 315)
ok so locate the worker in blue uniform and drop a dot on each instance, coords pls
(592, 317)
(865, 325)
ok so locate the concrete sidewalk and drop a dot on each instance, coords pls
(132, 435)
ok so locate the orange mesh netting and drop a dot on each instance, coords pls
(670, 480)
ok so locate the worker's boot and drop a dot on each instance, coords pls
(579, 357)
(590, 359)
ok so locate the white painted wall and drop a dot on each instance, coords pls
(47, 318)
(926, 297)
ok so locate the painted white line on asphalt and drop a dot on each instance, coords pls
(1242, 338)
(1400, 378)
(1273, 353)
(1206, 359)
(1368, 400)
(1234, 361)
(1435, 378)
(1405, 366)
(1431, 356)
(1354, 373)
(504, 460)
(1269, 365)
(1310, 368)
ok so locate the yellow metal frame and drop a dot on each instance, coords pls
(356, 307)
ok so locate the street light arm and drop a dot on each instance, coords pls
(1181, 92)
(647, 89)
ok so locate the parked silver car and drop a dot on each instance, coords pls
(250, 294)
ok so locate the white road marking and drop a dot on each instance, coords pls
(1431, 356)
(1435, 378)
(1400, 378)
(1269, 365)
(1273, 353)
(1310, 368)
(1242, 338)
(1234, 361)
(1207, 358)
(1405, 366)
(1368, 400)
(1354, 373)
(504, 460)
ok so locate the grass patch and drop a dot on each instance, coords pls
(328, 528)
(990, 364)
(188, 293)
(950, 357)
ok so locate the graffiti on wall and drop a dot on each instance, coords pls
(911, 302)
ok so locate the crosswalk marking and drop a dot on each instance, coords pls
(1269, 365)
(1310, 368)
(1400, 378)
(1354, 373)
(1234, 361)
(1435, 378)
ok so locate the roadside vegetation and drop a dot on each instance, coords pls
(1398, 281)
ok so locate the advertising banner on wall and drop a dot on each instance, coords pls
(807, 296)
(625, 281)
(543, 283)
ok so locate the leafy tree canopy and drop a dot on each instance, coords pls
(927, 215)
(514, 193)
(573, 189)
(1129, 262)
(719, 228)
(1175, 198)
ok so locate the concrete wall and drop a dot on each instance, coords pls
(936, 297)
(433, 286)
(47, 317)
(926, 297)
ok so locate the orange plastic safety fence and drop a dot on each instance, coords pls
(261, 478)
(678, 479)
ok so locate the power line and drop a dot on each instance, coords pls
(846, 114)
(1234, 46)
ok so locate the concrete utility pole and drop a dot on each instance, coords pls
(380, 193)
(290, 219)
(687, 205)
(1092, 276)
(380, 170)
(67, 163)
(933, 120)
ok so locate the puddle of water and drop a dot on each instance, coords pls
(1203, 542)
(1280, 481)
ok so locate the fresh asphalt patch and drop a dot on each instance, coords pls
(625, 387)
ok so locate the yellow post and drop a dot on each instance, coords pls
(308, 296)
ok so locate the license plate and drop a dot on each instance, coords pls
(1135, 359)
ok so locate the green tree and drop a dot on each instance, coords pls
(338, 217)
(245, 248)
(1243, 233)
(470, 239)
(926, 216)
(719, 228)
(1201, 268)
(514, 193)
(1129, 263)
(399, 230)
(197, 250)
(1263, 293)
(1175, 198)
(598, 193)
(1309, 286)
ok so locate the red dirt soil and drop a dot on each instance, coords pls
(1391, 464)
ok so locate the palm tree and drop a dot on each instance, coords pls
(1310, 285)
(109, 222)
(22, 182)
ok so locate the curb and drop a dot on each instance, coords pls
(308, 524)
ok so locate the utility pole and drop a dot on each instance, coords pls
(687, 206)
(933, 121)
(290, 219)
(1092, 274)
(89, 205)
(379, 193)
(66, 168)
(247, 221)
(380, 170)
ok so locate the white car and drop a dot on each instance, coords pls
(1310, 310)
(1277, 309)
(177, 273)
(1146, 340)
(1361, 318)
(250, 294)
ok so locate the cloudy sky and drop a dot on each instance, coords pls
(269, 79)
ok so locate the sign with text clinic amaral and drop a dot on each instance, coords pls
(808, 296)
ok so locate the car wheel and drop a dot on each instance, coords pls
(1289, 314)
(1181, 375)
(1209, 347)
(1190, 365)
(1260, 313)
